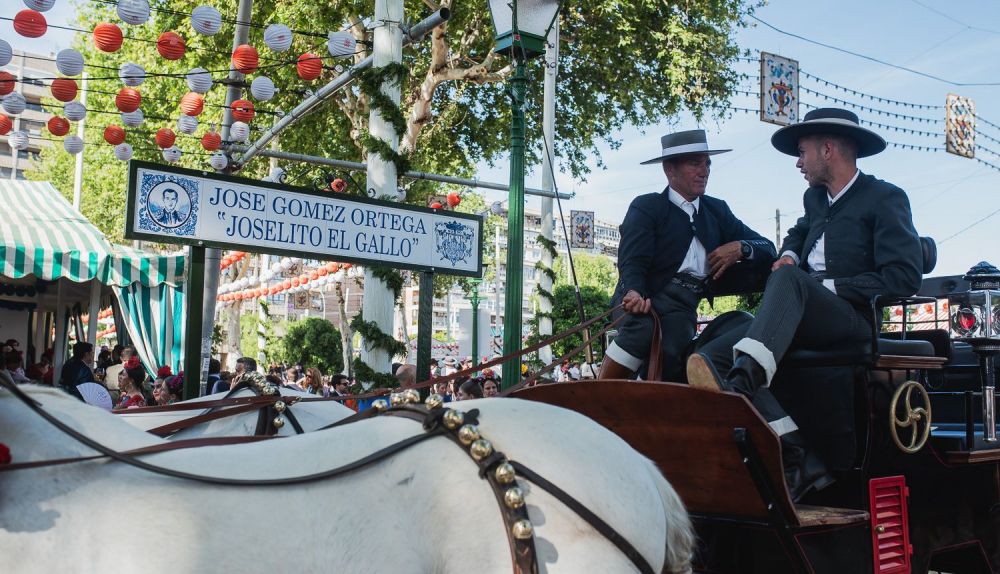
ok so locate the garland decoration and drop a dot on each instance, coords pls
(549, 246)
(375, 338)
(370, 83)
(391, 277)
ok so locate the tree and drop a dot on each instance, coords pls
(591, 270)
(313, 342)
(565, 315)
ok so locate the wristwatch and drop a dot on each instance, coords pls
(745, 250)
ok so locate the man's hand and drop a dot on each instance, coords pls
(723, 258)
(635, 304)
(786, 260)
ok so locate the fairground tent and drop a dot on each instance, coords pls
(55, 267)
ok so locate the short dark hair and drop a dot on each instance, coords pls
(340, 378)
(171, 190)
(248, 363)
(81, 348)
(214, 366)
(472, 388)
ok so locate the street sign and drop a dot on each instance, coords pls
(582, 235)
(174, 205)
(779, 89)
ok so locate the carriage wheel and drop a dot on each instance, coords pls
(918, 419)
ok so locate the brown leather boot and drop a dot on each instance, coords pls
(610, 370)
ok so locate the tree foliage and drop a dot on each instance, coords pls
(313, 342)
(597, 271)
(565, 316)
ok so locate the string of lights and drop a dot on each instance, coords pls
(878, 111)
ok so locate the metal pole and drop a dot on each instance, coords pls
(194, 387)
(777, 228)
(80, 131)
(548, 180)
(93, 310)
(425, 326)
(17, 124)
(496, 278)
(515, 226)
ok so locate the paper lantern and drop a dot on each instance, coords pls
(6, 52)
(18, 140)
(170, 45)
(187, 124)
(73, 144)
(341, 44)
(107, 37)
(131, 74)
(134, 12)
(165, 137)
(74, 111)
(30, 23)
(58, 126)
(218, 160)
(172, 154)
(69, 62)
(242, 110)
(192, 104)
(5, 125)
(199, 80)
(262, 88)
(63, 89)
(114, 135)
(128, 100)
(123, 151)
(278, 37)
(206, 20)
(211, 141)
(40, 5)
(309, 66)
(245, 59)
(239, 132)
(436, 205)
(454, 199)
(7, 82)
(133, 119)
(338, 185)
(13, 103)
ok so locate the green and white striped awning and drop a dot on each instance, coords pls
(42, 235)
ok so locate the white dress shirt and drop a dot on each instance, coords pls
(696, 259)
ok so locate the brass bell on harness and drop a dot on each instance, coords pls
(505, 473)
(411, 396)
(278, 422)
(522, 529)
(453, 419)
(514, 497)
(380, 405)
(279, 406)
(468, 434)
(270, 390)
(434, 401)
(481, 449)
(396, 399)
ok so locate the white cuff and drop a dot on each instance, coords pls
(783, 426)
(828, 283)
(759, 353)
(791, 254)
(622, 357)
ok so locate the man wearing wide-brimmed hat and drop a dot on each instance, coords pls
(671, 243)
(855, 241)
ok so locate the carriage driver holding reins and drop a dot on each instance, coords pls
(672, 243)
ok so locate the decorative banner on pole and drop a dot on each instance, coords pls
(175, 205)
(960, 126)
(779, 89)
(582, 223)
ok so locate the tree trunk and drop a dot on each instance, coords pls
(346, 336)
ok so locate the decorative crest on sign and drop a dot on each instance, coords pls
(453, 241)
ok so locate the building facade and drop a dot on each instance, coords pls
(29, 69)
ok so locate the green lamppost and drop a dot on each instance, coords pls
(521, 28)
(475, 299)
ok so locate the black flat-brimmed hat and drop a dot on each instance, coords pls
(832, 121)
(684, 143)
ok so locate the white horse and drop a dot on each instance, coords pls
(422, 510)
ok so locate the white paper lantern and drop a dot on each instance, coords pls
(199, 80)
(239, 132)
(13, 103)
(262, 88)
(18, 140)
(172, 154)
(123, 151)
(206, 20)
(341, 44)
(6, 53)
(278, 37)
(133, 119)
(74, 111)
(69, 62)
(135, 12)
(286, 262)
(277, 175)
(73, 144)
(131, 74)
(39, 5)
(187, 124)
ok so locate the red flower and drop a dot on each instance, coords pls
(4, 454)
(164, 372)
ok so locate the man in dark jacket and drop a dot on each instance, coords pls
(671, 244)
(77, 370)
(855, 241)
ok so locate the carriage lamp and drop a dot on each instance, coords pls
(533, 20)
(974, 317)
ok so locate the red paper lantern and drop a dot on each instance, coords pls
(436, 205)
(296, 282)
(245, 59)
(286, 284)
(331, 267)
(309, 66)
(6, 83)
(5, 125)
(338, 185)
(107, 37)
(170, 45)
(192, 104)
(128, 100)
(242, 110)
(165, 137)
(346, 265)
(322, 271)
(58, 126)
(303, 279)
(211, 141)
(30, 24)
(313, 275)
(114, 135)
(454, 199)
(63, 89)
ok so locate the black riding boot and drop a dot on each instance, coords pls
(804, 470)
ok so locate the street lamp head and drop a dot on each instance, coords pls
(523, 36)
